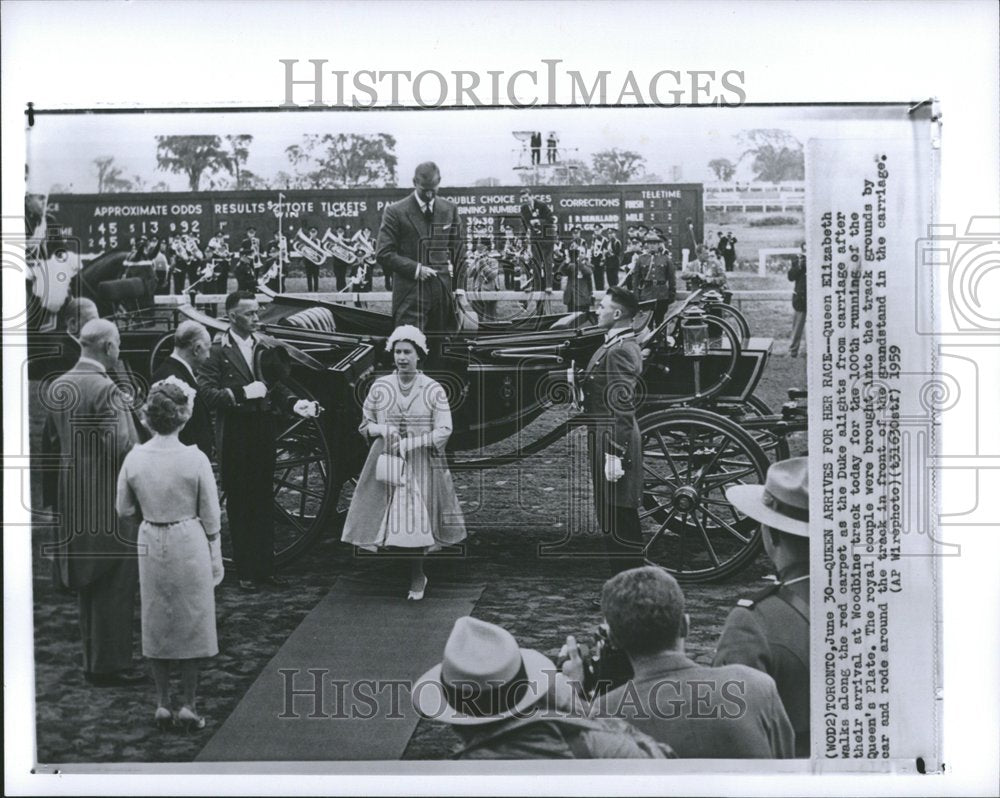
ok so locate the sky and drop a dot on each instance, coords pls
(467, 144)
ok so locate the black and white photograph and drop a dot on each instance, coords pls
(427, 437)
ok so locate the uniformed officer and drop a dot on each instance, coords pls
(615, 449)
(770, 632)
(656, 276)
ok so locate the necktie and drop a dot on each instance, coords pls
(429, 217)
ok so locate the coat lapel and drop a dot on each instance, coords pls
(236, 357)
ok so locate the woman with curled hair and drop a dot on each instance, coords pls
(172, 488)
(411, 504)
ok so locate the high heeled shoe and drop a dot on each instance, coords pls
(163, 718)
(190, 720)
(417, 595)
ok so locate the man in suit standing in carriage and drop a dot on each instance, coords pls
(422, 245)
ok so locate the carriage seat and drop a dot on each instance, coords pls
(569, 321)
(317, 319)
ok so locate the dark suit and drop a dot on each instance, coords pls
(90, 429)
(770, 632)
(579, 291)
(609, 384)
(407, 238)
(612, 261)
(247, 433)
(198, 431)
(730, 712)
(537, 219)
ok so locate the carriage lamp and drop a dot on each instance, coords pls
(711, 296)
(695, 331)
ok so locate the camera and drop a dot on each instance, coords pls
(607, 667)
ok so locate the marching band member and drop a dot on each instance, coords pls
(218, 257)
(250, 263)
(181, 262)
(598, 246)
(276, 264)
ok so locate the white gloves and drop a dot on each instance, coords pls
(382, 430)
(306, 408)
(255, 390)
(215, 549)
(613, 470)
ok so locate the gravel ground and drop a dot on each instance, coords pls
(510, 512)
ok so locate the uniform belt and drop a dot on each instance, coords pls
(661, 282)
(168, 523)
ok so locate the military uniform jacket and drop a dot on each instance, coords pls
(609, 385)
(656, 276)
(770, 632)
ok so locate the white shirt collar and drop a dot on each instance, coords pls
(183, 362)
(92, 362)
(424, 206)
(616, 332)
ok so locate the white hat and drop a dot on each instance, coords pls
(407, 332)
(782, 502)
(484, 677)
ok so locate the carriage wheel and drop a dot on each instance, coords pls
(733, 315)
(690, 457)
(775, 446)
(160, 352)
(303, 488)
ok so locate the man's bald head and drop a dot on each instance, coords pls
(99, 340)
(79, 310)
(192, 342)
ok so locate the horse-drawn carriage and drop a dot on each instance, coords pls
(702, 428)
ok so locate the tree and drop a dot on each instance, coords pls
(618, 166)
(343, 160)
(777, 154)
(109, 176)
(192, 156)
(724, 169)
(239, 151)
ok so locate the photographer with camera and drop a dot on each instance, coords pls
(730, 712)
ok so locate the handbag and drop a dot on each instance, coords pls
(389, 469)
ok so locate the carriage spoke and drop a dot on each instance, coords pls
(659, 477)
(302, 496)
(705, 540)
(725, 525)
(708, 466)
(302, 461)
(289, 517)
(656, 509)
(722, 478)
(666, 452)
(300, 488)
(660, 531)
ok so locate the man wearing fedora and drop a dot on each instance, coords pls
(507, 702)
(770, 632)
(701, 712)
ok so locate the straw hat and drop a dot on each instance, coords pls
(484, 677)
(782, 502)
